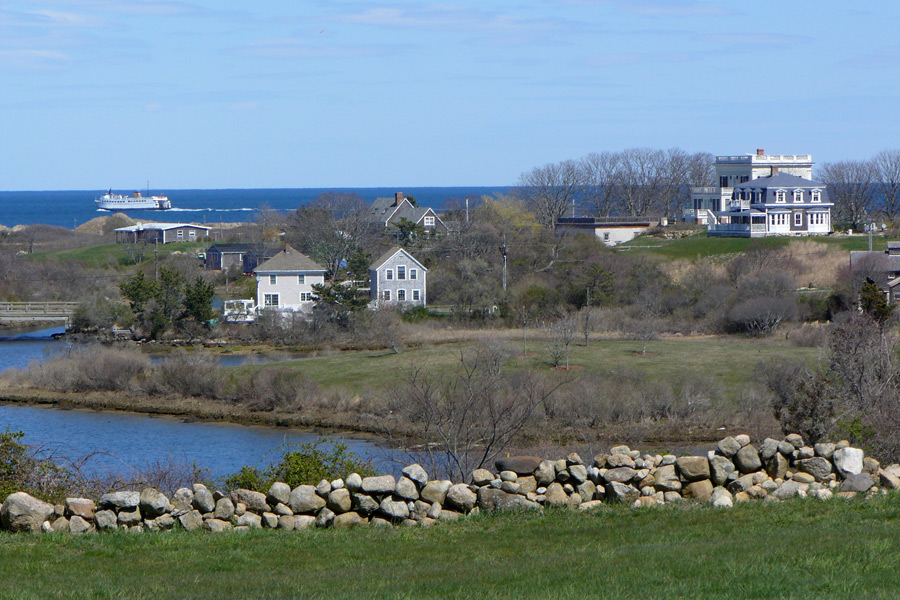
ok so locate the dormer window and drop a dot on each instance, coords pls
(816, 196)
(798, 195)
(780, 196)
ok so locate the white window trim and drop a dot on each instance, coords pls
(389, 274)
(416, 296)
(401, 292)
(798, 196)
(413, 273)
(816, 196)
(401, 272)
(386, 295)
(301, 279)
(273, 279)
(780, 196)
(271, 300)
(429, 222)
(798, 219)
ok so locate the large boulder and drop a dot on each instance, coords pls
(545, 473)
(224, 509)
(621, 492)
(120, 500)
(497, 500)
(81, 507)
(436, 490)
(777, 466)
(279, 493)
(254, 501)
(304, 500)
(620, 474)
(394, 509)
(339, 501)
(848, 461)
(203, 499)
(105, 520)
(789, 489)
(556, 495)
(461, 498)
(22, 512)
(747, 460)
(721, 469)
(721, 498)
(665, 479)
(521, 465)
(728, 447)
(153, 503)
(406, 488)
(701, 490)
(383, 484)
(859, 482)
(818, 467)
(693, 468)
(417, 474)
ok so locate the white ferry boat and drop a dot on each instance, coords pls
(110, 201)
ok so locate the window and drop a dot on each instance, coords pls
(413, 273)
(745, 178)
(192, 233)
(416, 296)
(401, 295)
(306, 296)
(798, 195)
(429, 221)
(301, 279)
(389, 274)
(273, 279)
(780, 196)
(816, 196)
(798, 219)
(723, 181)
(386, 295)
(180, 234)
(401, 272)
(270, 299)
(605, 236)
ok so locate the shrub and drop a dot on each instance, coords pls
(94, 368)
(271, 388)
(23, 470)
(188, 374)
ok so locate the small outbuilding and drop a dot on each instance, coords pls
(222, 257)
(162, 233)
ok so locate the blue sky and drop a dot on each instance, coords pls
(219, 94)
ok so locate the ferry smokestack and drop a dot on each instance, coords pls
(760, 152)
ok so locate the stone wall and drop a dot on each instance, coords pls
(737, 471)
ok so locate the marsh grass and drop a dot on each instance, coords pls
(798, 549)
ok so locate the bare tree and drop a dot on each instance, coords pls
(471, 416)
(549, 191)
(331, 229)
(600, 175)
(852, 185)
(888, 164)
(562, 333)
(642, 173)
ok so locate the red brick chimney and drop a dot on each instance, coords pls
(398, 198)
(760, 152)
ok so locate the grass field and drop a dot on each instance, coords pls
(730, 360)
(116, 255)
(799, 549)
(699, 246)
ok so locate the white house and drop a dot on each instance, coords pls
(284, 282)
(611, 230)
(397, 279)
(778, 204)
(733, 171)
(164, 233)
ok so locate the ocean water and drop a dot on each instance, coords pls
(71, 208)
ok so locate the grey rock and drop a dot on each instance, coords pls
(349, 519)
(587, 490)
(183, 499)
(354, 482)
(436, 490)
(747, 460)
(728, 447)
(858, 482)
(788, 489)
(621, 449)
(59, 524)
(406, 488)
(254, 501)
(224, 509)
(153, 503)
(621, 492)
(545, 473)
(824, 449)
(819, 467)
(721, 470)
(461, 498)
(521, 465)
(394, 509)
(556, 495)
(508, 476)
(889, 480)
(286, 522)
(325, 518)
(283, 510)
(574, 459)
(269, 520)
(191, 521)
(165, 522)
(511, 487)
(105, 520)
(339, 501)
(848, 461)
(794, 439)
(614, 461)
(742, 439)
(805, 452)
(120, 500)
(129, 517)
(578, 473)
(203, 499)
(620, 475)
(721, 497)
(239, 509)
(81, 507)
(323, 488)
(693, 468)
(871, 466)
(665, 479)
(786, 448)
(364, 504)
(768, 449)
(701, 490)
(777, 466)
(279, 492)
(482, 477)
(304, 522)
(497, 500)
(417, 474)
(217, 526)
(304, 499)
(383, 484)
(527, 484)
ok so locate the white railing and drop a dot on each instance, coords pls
(766, 158)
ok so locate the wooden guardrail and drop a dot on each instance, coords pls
(37, 311)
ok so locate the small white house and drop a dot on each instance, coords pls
(284, 282)
(397, 279)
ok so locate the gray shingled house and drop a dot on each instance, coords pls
(390, 211)
(397, 279)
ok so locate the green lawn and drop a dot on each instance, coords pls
(800, 549)
(117, 255)
(700, 246)
(730, 360)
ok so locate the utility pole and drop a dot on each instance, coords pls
(467, 209)
(503, 251)
(156, 259)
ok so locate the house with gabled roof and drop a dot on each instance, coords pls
(222, 256)
(778, 204)
(163, 233)
(397, 279)
(285, 281)
(390, 211)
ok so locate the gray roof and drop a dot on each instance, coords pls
(780, 180)
(243, 248)
(387, 256)
(382, 209)
(289, 260)
(160, 226)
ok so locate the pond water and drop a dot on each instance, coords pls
(126, 441)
